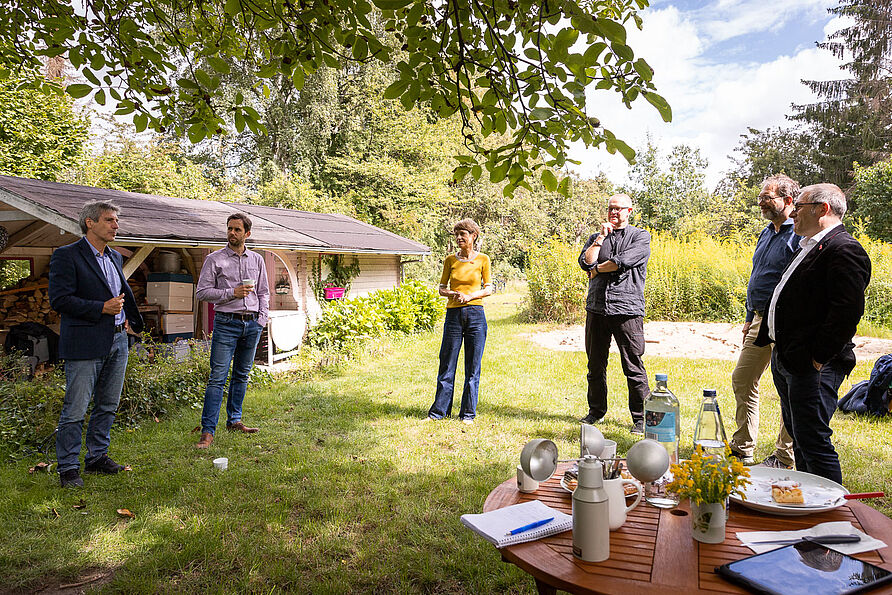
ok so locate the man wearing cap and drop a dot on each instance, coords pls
(87, 288)
(234, 280)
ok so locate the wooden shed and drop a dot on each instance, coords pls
(166, 239)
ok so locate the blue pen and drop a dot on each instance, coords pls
(530, 526)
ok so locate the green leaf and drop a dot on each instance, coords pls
(661, 104)
(549, 180)
(392, 4)
(624, 149)
(79, 90)
(140, 122)
(611, 30)
(541, 113)
(564, 39)
(99, 97)
(219, 64)
(590, 57)
(643, 69)
(623, 51)
(396, 89)
(564, 186)
(196, 133)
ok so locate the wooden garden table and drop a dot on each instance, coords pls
(654, 551)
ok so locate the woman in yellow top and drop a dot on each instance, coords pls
(466, 281)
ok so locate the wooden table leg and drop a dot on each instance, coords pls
(544, 588)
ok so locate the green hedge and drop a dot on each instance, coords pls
(346, 325)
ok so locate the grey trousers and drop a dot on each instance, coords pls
(751, 364)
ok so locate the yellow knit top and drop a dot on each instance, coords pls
(465, 277)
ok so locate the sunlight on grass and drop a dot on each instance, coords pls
(346, 488)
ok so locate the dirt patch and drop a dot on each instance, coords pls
(692, 340)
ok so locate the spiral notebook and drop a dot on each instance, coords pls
(495, 525)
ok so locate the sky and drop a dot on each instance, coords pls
(724, 66)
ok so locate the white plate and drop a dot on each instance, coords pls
(820, 494)
(564, 484)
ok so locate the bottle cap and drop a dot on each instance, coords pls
(662, 377)
(709, 392)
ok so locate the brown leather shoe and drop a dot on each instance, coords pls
(206, 439)
(240, 427)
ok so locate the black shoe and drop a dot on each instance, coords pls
(590, 419)
(637, 427)
(104, 465)
(71, 479)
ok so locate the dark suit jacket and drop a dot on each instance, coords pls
(818, 309)
(78, 289)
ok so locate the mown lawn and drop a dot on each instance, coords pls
(346, 489)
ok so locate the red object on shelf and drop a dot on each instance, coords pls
(333, 293)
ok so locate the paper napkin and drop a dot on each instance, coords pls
(866, 544)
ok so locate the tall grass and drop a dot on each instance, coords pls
(696, 278)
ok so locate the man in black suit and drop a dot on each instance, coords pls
(88, 288)
(811, 318)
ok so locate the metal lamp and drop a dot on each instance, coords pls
(647, 460)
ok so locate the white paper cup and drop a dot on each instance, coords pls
(609, 451)
(525, 483)
(221, 464)
(248, 282)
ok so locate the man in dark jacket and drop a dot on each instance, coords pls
(88, 288)
(616, 261)
(811, 318)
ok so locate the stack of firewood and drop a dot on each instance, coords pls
(29, 303)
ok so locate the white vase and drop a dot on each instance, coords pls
(708, 522)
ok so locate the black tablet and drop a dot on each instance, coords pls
(805, 568)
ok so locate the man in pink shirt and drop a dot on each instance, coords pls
(234, 280)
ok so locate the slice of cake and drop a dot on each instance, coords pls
(787, 492)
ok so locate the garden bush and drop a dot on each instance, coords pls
(346, 325)
(878, 297)
(556, 284)
(155, 383)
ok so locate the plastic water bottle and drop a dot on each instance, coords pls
(709, 433)
(661, 423)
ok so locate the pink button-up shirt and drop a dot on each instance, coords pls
(222, 271)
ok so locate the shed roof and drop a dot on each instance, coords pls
(163, 220)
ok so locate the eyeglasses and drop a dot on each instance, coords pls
(799, 205)
(766, 197)
(617, 209)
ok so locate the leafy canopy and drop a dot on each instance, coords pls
(520, 67)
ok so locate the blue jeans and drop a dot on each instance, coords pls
(808, 401)
(233, 342)
(98, 379)
(468, 324)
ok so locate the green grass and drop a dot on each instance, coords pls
(346, 489)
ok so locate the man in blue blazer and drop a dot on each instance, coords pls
(88, 288)
(811, 318)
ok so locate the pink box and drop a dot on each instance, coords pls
(333, 293)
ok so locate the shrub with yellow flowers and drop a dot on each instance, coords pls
(707, 478)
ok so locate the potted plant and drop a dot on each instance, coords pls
(340, 275)
(708, 480)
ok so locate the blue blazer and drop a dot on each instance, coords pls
(78, 289)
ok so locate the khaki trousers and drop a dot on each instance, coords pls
(751, 364)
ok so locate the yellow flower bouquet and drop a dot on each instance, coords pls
(709, 478)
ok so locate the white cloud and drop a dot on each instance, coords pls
(713, 103)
